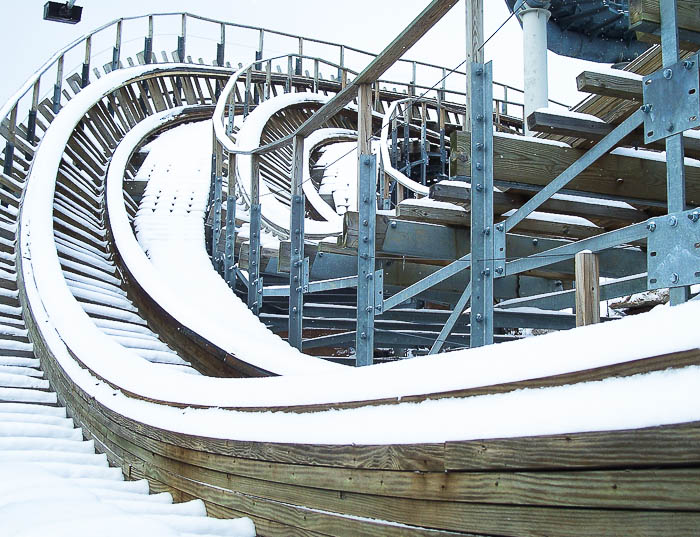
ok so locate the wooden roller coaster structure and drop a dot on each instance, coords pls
(116, 348)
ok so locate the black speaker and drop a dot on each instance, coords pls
(58, 12)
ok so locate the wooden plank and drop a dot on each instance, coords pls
(639, 448)
(447, 215)
(528, 161)
(645, 13)
(594, 131)
(622, 87)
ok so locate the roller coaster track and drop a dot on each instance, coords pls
(425, 447)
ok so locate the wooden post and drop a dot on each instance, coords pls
(587, 288)
(475, 36)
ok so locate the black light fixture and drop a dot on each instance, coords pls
(60, 12)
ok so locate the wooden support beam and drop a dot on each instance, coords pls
(608, 84)
(504, 201)
(531, 161)
(594, 131)
(587, 288)
(645, 15)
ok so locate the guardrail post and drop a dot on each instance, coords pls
(255, 287)
(10, 145)
(246, 94)
(268, 79)
(482, 274)
(290, 74)
(31, 119)
(230, 249)
(341, 69)
(441, 120)
(367, 208)
(316, 69)
(148, 43)
(298, 66)
(85, 74)
(56, 105)
(259, 52)
(181, 40)
(298, 264)
(587, 288)
(675, 146)
(116, 51)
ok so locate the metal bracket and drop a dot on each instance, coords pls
(499, 250)
(379, 292)
(673, 253)
(305, 275)
(671, 100)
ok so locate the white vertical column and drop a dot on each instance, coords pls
(534, 58)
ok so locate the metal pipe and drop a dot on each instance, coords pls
(534, 21)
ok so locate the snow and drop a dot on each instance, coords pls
(569, 113)
(645, 154)
(37, 501)
(178, 272)
(605, 70)
(428, 202)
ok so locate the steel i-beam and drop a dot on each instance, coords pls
(366, 260)
(482, 205)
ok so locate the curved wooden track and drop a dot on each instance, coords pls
(102, 334)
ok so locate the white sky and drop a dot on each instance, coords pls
(27, 40)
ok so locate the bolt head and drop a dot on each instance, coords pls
(487, 231)
(479, 317)
(479, 146)
(688, 64)
(500, 227)
(499, 270)
(651, 226)
(673, 222)
(479, 166)
(393, 224)
(668, 74)
(479, 188)
(647, 108)
(365, 222)
(674, 278)
(535, 242)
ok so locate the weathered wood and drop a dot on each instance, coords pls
(596, 130)
(640, 448)
(645, 15)
(587, 288)
(622, 87)
(529, 161)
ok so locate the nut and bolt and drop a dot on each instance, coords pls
(486, 272)
(646, 108)
(499, 270)
(688, 64)
(487, 231)
(479, 188)
(694, 216)
(479, 317)
(674, 278)
(668, 74)
(500, 227)
(651, 226)
(672, 221)
(393, 224)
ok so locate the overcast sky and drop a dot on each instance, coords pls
(27, 41)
